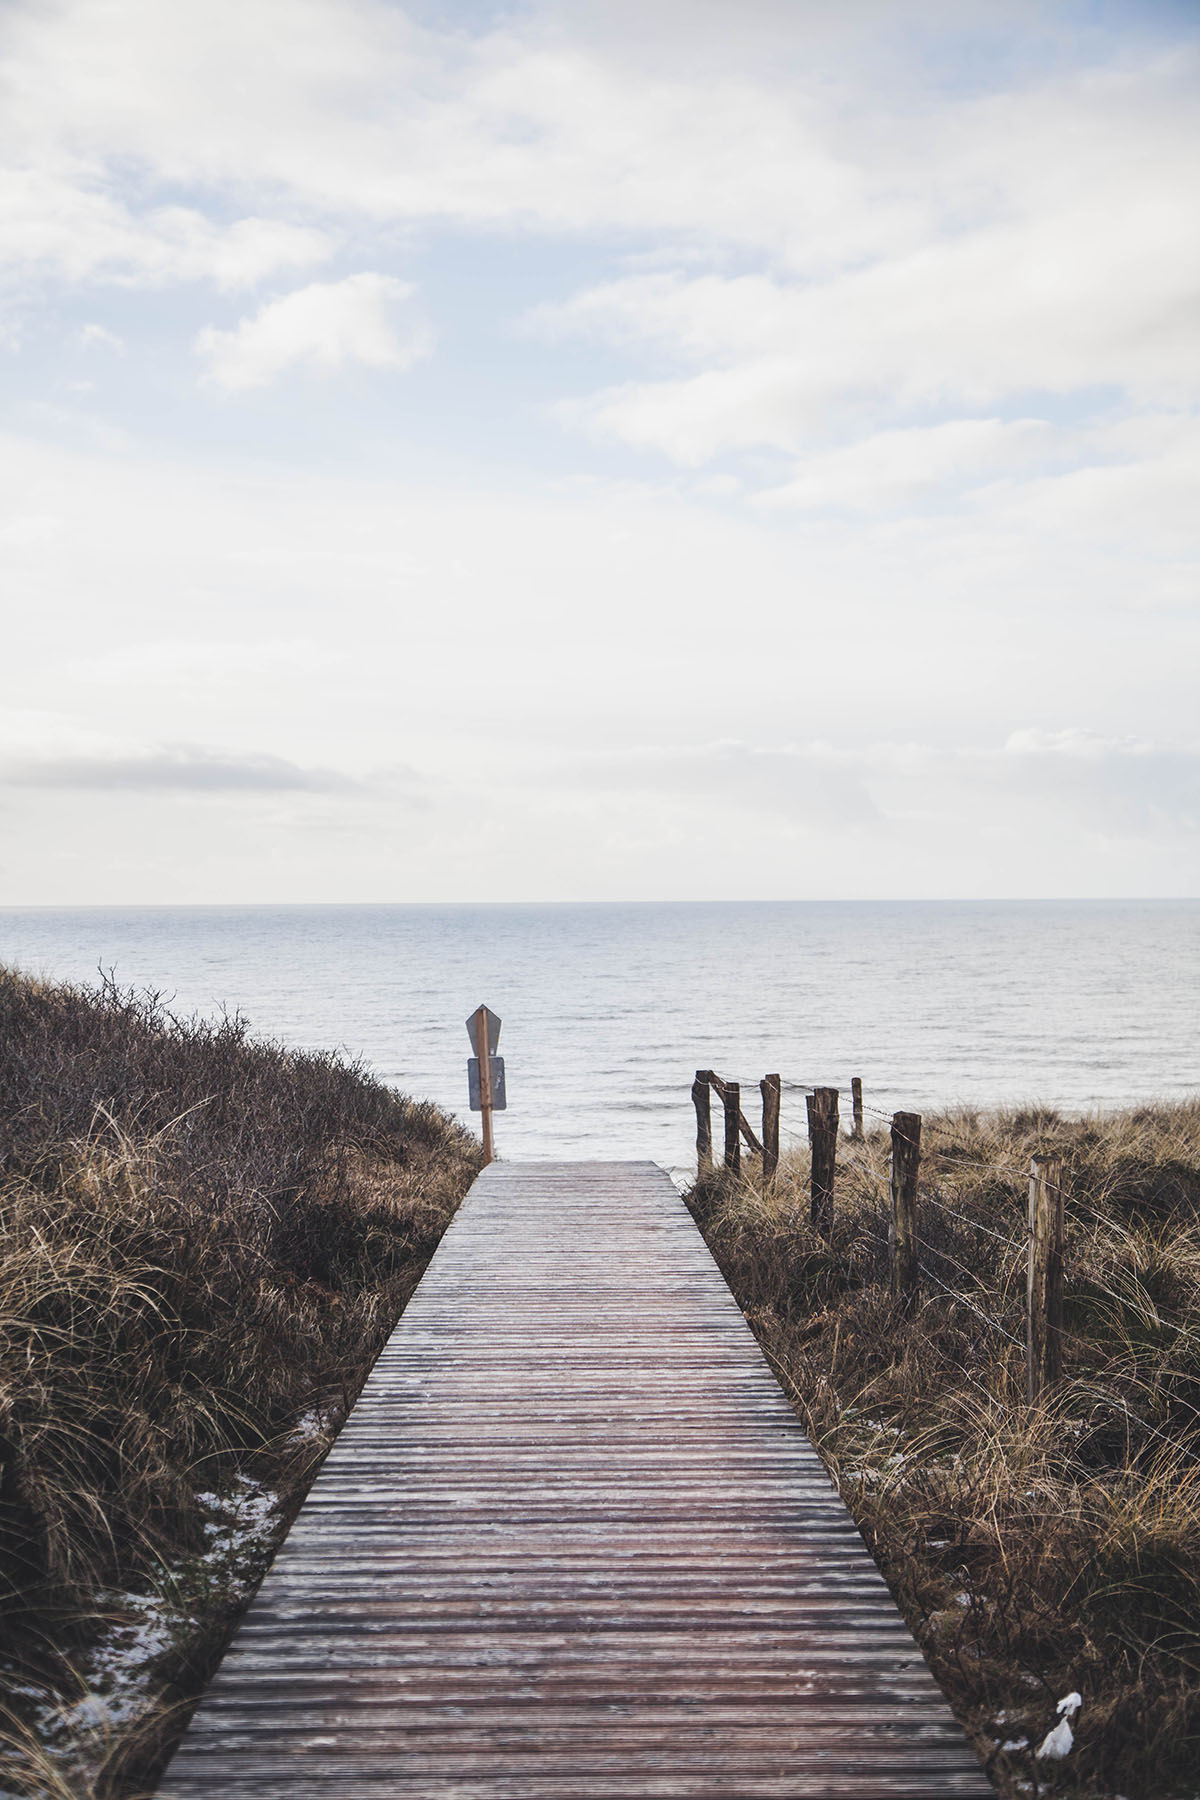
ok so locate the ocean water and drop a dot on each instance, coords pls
(608, 1010)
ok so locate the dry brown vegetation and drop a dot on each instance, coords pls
(1035, 1551)
(204, 1243)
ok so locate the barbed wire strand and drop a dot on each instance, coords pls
(971, 1307)
(1131, 1420)
(1009, 1242)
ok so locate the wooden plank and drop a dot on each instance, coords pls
(572, 1544)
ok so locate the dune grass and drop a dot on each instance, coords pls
(1035, 1551)
(204, 1243)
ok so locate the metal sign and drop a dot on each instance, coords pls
(485, 1073)
(493, 1030)
(496, 1069)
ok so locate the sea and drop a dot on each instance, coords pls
(607, 1010)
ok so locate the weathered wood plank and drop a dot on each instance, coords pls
(573, 1545)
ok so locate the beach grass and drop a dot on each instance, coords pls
(204, 1243)
(1037, 1551)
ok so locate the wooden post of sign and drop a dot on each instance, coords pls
(856, 1103)
(485, 1082)
(903, 1254)
(731, 1099)
(1044, 1317)
(770, 1088)
(702, 1101)
(822, 1142)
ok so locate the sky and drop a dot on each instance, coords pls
(585, 451)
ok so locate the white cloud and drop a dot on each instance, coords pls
(798, 138)
(186, 662)
(75, 223)
(100, 334)
(812, 782)
(324, 325)
(1040, 245)
(947, 292)
(918, 248)
(1093, 292)
(1036, 781)
(358, 110)
(895, 468)
(186, 768)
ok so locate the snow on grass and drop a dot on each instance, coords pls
(121, 1672)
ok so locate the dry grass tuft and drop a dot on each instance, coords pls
(203, 1242)
(1035, 1551)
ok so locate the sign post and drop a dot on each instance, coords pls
(485, 1073)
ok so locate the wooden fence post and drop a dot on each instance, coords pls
(822, 1138)
(731, 1100)
(770, 1087)
(702, 1100)
(903, 1255)
(856, 1103)
(1044, 1318)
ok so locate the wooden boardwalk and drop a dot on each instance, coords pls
(572, 1544)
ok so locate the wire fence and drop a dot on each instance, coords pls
(1034, 1327)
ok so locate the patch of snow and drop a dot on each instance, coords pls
(1015, 1744)
(145, 1629)
(25, 1691)
(311, 1425)
(244, 1519)
(119, 1671)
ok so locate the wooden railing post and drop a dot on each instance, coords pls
(702, 1100)
(483, 1051)
(1044, 1317)
(903, 1255)
(731, 1099)
(770, 1087)
(856, 1103)
(822, 1138)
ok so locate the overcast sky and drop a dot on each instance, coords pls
(680, 448)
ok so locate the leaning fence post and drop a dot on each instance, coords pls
(856, 1103)
(903, 1254)
(731, 1100)
(822, 1138)
(770, 1087)
(1044, 1316)
(702, 1100)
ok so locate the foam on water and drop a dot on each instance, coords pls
(609, 1009)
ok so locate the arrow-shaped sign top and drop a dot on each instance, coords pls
(493, 1030)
